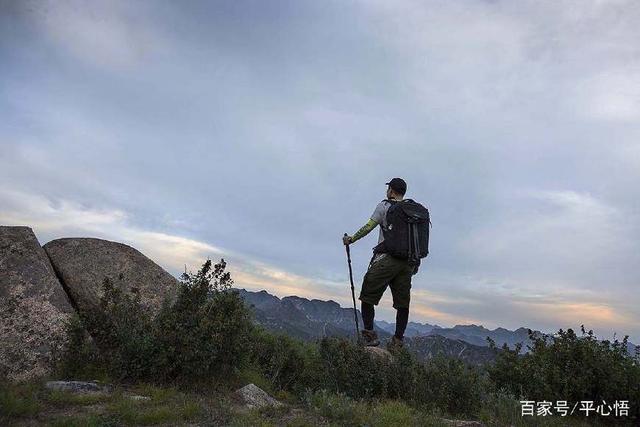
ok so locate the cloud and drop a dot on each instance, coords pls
(52, 219)
(263, 132)
(550, 236)
(613, 95)
(106, 35)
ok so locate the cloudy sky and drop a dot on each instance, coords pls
(262, 131)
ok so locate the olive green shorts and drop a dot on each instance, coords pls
(387, 270)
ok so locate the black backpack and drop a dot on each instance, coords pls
(406, 235)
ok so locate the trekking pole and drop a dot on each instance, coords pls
(353, 292)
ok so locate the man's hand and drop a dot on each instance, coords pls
(346, 239)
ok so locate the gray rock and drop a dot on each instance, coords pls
(78, 386)
(462, 423)
(83, 264)
(139, 398)
(33, 306)
(254, 397)
(379, 353)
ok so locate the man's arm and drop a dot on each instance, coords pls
(363, 231)
(376, 218)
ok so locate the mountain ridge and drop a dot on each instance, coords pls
(311, 319)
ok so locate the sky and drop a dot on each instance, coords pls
(261, 132)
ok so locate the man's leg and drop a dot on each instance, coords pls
(380, 273)
(402, 318)
(401, 292)
(368, 313)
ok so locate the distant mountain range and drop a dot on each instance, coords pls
(473, 334)
(309, 320)
(301, 318)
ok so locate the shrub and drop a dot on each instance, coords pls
(80, 358)
(445, 384)
(123, 331)
(569, 367)
(203, 334)
(206, 332)
(287, 363)
(349, 369)
(451, 385)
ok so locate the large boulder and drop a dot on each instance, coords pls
(33, 306)
(83, 264)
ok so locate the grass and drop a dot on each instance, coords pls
(165, 406)
(341, 410)
(172, 406)
(274, 417)
(81, 421)
(63, 398)
(60, 408)
(20, 400)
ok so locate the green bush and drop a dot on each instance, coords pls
(203, 334)
(288, 364)
(339, 366)
(349, 369)
(124, 333)
(80, 358)
(569, 367)
(206, 332)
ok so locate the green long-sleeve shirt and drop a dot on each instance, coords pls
(364, 230)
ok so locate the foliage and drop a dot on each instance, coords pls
(123, 332)
(206, 332)
(203, 334)
(80, 358)
(569, 367)
(340, 366)
(351, 370)
(447, 384)
(287, 364)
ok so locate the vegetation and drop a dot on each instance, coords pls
(569, 367)
(197, 350)
(203, 334)
(61, 408)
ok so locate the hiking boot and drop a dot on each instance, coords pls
(395, 343)
(370, 338)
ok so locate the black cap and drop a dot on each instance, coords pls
(398, 185)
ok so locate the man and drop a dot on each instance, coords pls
(385, 270)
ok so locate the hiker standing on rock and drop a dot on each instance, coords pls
(402, 242)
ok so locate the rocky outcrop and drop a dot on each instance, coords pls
(82, 264)
(33, 306)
